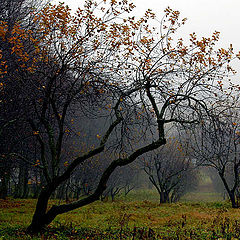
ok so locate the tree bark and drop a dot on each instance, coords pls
(41, 217)
(233, 199)
(231, 192)
(164, 197)
(4, 184)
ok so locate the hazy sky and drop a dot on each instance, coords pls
(204, 17)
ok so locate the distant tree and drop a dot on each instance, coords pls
(121, 181)
(217, 145)
(171, 171)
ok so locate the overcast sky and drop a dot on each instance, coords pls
(204, 17)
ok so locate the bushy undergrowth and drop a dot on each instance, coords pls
(220, 228)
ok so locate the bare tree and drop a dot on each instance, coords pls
(217, 145)
(171, 171)
(121, 181)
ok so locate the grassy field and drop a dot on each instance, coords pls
(131, 218)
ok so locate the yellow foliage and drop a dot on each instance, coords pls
(98, 136)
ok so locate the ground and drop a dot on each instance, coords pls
(130, 218)
(201, 214)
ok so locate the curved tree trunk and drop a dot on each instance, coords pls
(231, 192)
(42, 217)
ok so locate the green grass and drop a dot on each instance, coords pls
(202, 197)
(125, 218)
(141, 195)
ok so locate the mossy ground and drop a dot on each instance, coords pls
(130, 218)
